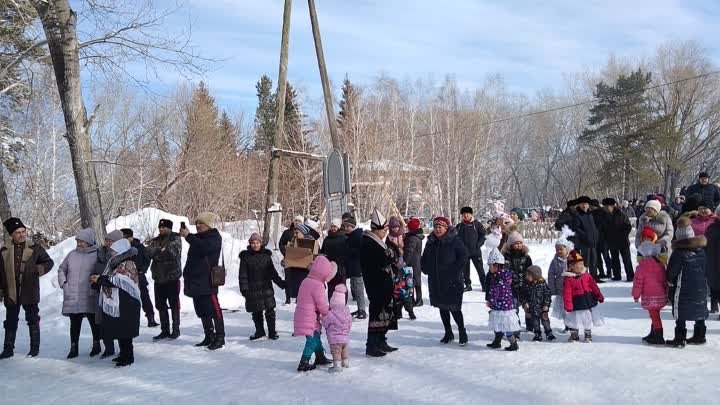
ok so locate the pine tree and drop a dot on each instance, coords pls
(228, 132)
(265, 113)
(621, 128)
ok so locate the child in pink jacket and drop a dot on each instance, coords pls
(312, 304)
(338, 323)
(651, 285)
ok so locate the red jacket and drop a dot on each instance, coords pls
(580, 292)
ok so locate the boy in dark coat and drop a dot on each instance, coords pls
(257, 273)
(413, 256)
(203, 254)
(472, 233)
(22, 263)
(165, 251)
(688, 286)
(537, 303)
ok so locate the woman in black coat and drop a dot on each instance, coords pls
(413, 256)
(688, 286)
(336, 249)
(443, 261)
(257, 273)
(120, 300)
(376, 260)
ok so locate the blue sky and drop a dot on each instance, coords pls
(529, 43)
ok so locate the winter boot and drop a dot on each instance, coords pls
(151, 322)
(109, 348)
(372, 348)
(361, 314)
(164, 326)
(384, 346)
(713, 306)
(588, 336)
(513, 345)
(207, 324)
(34, 339)
(419, 303)
(538, 337)
(272, 332)
(496, 344)
(336, 368)
(655, 338)
(259, 327)
(650, 335)
(175, 323)
(574, 335)
(412, 316)
(9, 344)
(549, 335)
(320, 359)
(698, 337)
(219, 340)
(305, 365)
(468, 288)
(449, 337)
(96, 349)
(73, 351)
(463, 337)
(346, 363)
(127, 356)
(565, 330)
(680, 338)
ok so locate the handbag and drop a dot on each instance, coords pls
(217, 272)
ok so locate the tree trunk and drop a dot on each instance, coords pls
(60, 25)
(5, 212)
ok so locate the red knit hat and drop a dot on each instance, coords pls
(442, 221)
(648, 233)
(575, 257)
(413, 225)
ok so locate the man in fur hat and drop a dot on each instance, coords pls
(22, 263)
(472, 234)
(165, 251)
(586, 235)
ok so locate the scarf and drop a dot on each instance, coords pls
(123, 275)
(14, 287)
(376, 239)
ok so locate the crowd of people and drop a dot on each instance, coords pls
(678, 255)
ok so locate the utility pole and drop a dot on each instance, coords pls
(274, 167)
(323, 76)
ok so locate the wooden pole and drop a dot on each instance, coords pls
(274, 168)
(323, 76)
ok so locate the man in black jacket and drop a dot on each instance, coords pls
(165, 251)
(142, 264)
(567, 217)
(586, 235)
(710, 192)
(472, 234)
(615, 229)
(353, 268)
(603, 253)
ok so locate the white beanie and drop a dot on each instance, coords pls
(495, 257)
(337, 222)
(121, 246)
(654, 204)
(299, 220)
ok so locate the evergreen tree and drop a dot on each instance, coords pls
(621, 128)
(347, 115)
(228, 132)
(265, 113)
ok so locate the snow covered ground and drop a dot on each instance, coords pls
(615, 369)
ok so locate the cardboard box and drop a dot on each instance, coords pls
(302, 255)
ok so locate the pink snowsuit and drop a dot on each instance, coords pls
(338, 321)
(312, 302)
(650, 284)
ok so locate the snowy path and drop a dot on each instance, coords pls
(615, 369)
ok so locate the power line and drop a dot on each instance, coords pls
(578, 104)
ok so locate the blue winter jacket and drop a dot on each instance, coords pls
(686, 276)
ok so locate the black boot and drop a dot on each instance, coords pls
(468, 288)
(73, 351)
(109, 348)
(698, 337)
(320, 359)
(219, 341)
(419, 302)
(649, 335)
(463, 337)
(513, 345)
(680, 338)
(34, 339)
(164, 326)
(270, 319)
(449, 337)
(574, 335)
(305, 365)
(96, 349)
(259, 327)
(361, 314)
(496, 344)
(151, 321)
(538, 337)
(383, 345)
(175, 323)
(127, 356)
(372, 348)
(655, 338)
(713, 306)
(9, 345)
(207, 324)
(549, 335)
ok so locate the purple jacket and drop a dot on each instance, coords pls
(338, 323)
(499, 296)
(312, 301)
